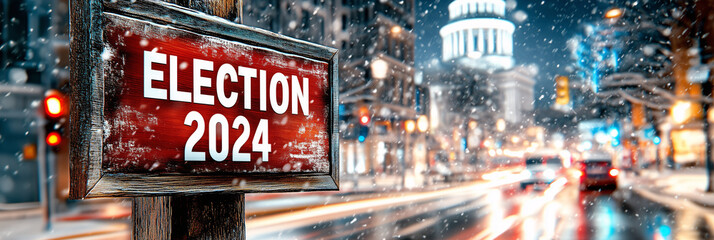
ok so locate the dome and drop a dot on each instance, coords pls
(473, 8)
(478, 35)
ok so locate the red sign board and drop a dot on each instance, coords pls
(182, 102)
(198, 105)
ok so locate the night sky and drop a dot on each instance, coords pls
(540, 39)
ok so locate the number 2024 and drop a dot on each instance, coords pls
(261, 135)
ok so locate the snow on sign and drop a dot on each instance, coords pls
(177, 101)
(199, 104)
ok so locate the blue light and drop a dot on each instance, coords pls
(341, 110)
(595, 80)
(649, 133)
(615, 61)
(665, 231)
(360, 138)
(615, 142)
(614, 132)
(656, 140)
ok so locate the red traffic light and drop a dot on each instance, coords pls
(53, 139)
(364, 120)
(54, 105)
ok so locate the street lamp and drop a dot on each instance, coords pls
(473, 124)
(379, 69)
(681, 111)
(422, 123)
(501, 125)
(396, 30)
(613, 13)
(409, 125)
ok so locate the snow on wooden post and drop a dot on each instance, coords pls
(186, 112)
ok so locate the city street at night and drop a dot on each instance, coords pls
(484, 209)
(357, 119)
(493, 209)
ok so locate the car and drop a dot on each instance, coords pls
(597, 171)
(541, 170)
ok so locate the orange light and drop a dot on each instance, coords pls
(53, 139)
(53, 106)
(613, 13)
(409, 125)
(578, 173)
(614, 172)
(562, 91)
(423, 123)
(682, 111)
(364, 120)
(29, 151)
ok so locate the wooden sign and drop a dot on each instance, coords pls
(167, 100)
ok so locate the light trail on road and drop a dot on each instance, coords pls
(277, 222)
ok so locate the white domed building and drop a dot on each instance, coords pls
(478, 35)
(478, 40)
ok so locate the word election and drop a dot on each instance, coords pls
(294, 95)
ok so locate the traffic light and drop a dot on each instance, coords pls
(363, 133)
(562, 91)
(364, 117)
(364, 120)
(55, 108)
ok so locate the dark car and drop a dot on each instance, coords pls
(598, 172)
(540, 171)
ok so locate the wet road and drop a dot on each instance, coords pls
(488, 209)
(609, 214)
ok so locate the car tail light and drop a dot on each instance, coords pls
(578, 173)
(614, 172)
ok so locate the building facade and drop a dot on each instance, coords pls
(478, 36)
(477, 85)
(376, 43)
(517, 95)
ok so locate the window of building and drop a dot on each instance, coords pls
(319, 23)
(305, 19)
(397, 53)
(289, 8)
(345, 23)
(343, 45)
(365, 15)
(465, 42)
(17, 26)
(476, 41)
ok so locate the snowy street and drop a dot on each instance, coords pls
(482, 209)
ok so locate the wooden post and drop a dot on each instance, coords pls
(205, 216)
